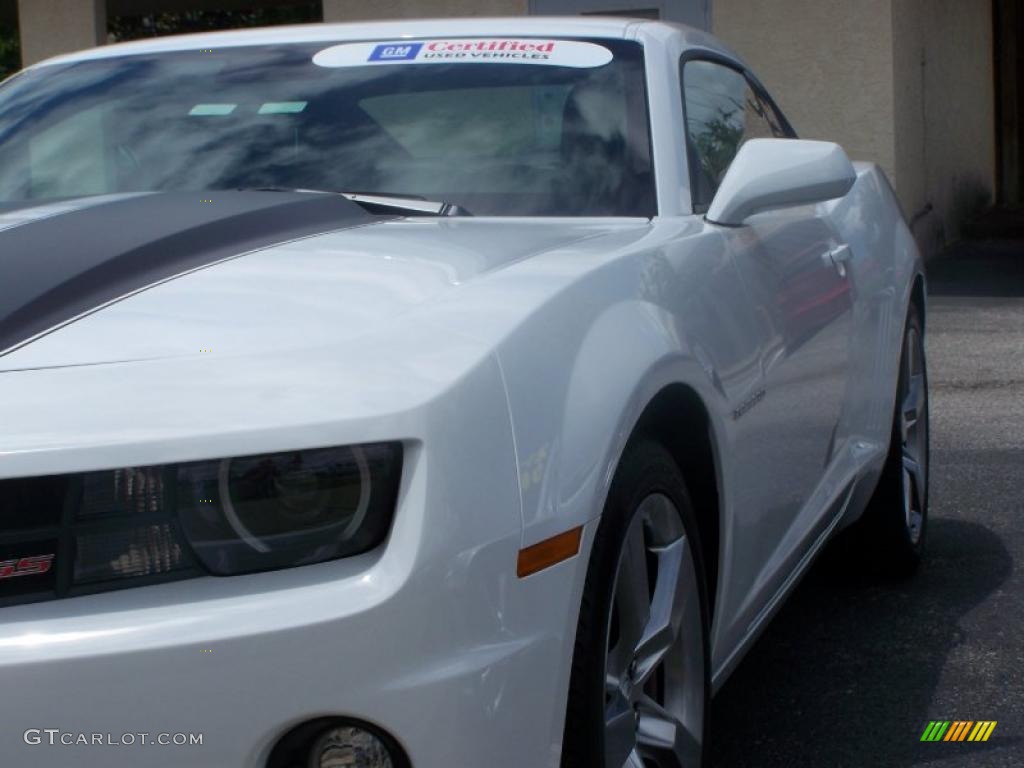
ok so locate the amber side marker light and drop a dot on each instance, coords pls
(549, 552)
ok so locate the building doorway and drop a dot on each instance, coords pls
(1009, 68)
(10, 54)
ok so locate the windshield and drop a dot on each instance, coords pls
(497, 126)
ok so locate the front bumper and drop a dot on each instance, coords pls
(436, 642)
(432, 637)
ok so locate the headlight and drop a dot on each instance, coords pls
(255, 513)
(89, 532)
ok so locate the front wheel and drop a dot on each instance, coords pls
(639, 690)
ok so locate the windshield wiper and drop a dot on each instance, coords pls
(385, 202)
(412, 205)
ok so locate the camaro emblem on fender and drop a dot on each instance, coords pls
(747, 404)
(25, 566)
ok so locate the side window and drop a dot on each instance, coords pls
(722, 111)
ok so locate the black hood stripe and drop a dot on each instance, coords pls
(25, 212)
(57, 268)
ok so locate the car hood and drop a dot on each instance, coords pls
(143, 277)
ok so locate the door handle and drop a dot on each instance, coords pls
(839, 256)
(840, 253)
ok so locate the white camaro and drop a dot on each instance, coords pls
(436, 394)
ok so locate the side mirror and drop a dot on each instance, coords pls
(778, 173)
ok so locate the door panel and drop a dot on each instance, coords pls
(800, 303)
(786, 443)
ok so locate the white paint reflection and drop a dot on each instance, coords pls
(35, 640)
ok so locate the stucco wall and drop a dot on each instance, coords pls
(828, 63)
(907, 83)
(944, 113)
(354, 10)
(909, 106)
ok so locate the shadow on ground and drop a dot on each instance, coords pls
(996, 270)
(846, 671)
(990, 264)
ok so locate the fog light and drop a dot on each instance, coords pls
(349, 747)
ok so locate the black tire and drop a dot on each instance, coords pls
(884, 534)
(646, 469)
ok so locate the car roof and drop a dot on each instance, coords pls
(532, 26)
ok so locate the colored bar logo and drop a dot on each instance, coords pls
(958, 730)
(395, 52)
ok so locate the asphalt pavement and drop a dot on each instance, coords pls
(853, 668)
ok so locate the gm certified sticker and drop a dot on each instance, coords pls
(490, 50)
(395, 52)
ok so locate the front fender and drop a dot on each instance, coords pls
(570, 441)
(631, 353)
(607, 330)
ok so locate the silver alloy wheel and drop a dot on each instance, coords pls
(654, 653)
(914, 435)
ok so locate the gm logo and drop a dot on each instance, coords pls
(395, 52)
